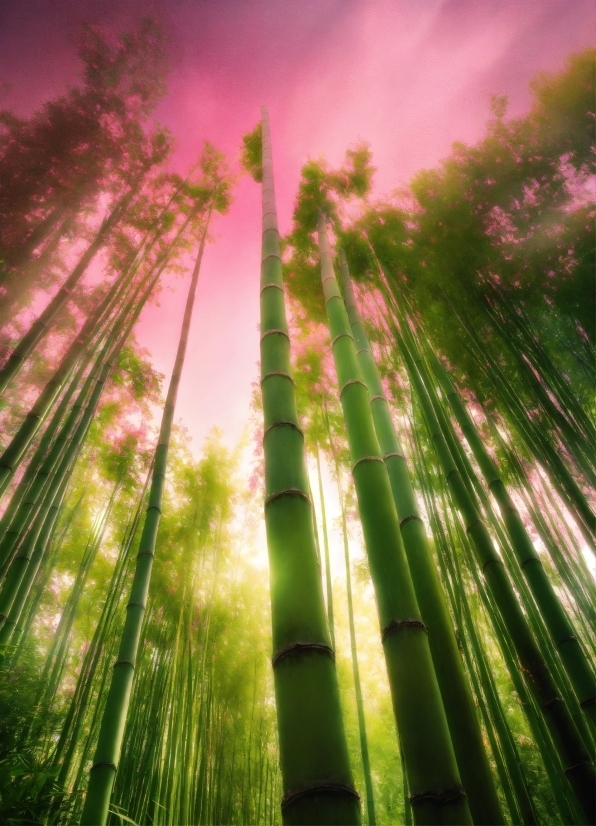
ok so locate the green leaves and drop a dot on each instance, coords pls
(252, 151)
(28, 790)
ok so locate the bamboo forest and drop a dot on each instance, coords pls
(372, 597)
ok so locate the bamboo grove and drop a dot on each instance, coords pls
(379, 607)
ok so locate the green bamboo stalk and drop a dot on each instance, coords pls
(107, 754)
(578, 766)
(567, 401)
(38, 457)
(514, 784)
(328, 583)
(56, 657)
(370, 798)
(539, 445)
(21, 631)
(536, 621)
(314, 759)
(48, 478)
(366, 770)
(98, 643)
(433, 777)
(455, 691)
(561, 789)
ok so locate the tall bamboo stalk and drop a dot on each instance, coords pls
(107, 753)
(366, 769)
(455, 691)
(433, 777)
(314, 759)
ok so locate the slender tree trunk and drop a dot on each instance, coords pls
(314, 759)
(107, 754)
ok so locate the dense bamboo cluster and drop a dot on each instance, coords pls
(424, 475)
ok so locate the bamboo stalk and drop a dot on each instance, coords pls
(317, 779)
(433, 777)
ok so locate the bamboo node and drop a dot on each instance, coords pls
(364, 350)
(341, 335)
(322, 788)
(366, 459)
(145, 553)
(106, 765)
(409, 519)
(277, 373)
(375, 398)
(397, 455)
(331, 297)
(531, 559)
(281, 424)
(495, 560)
(327, 278)
(447, 796)
(297, 647)
(271, 255)
(271, 284)
(472, 524)
(272, 332)
(287, 492)
(351, 381)
(397, 625)
(140, 604)
(125, 662)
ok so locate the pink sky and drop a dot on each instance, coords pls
(408, 76)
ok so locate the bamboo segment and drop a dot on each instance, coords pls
(455, 691)
(317, 779)
(436, 793)
(107, 754)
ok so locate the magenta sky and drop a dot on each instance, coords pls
(408, 76)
